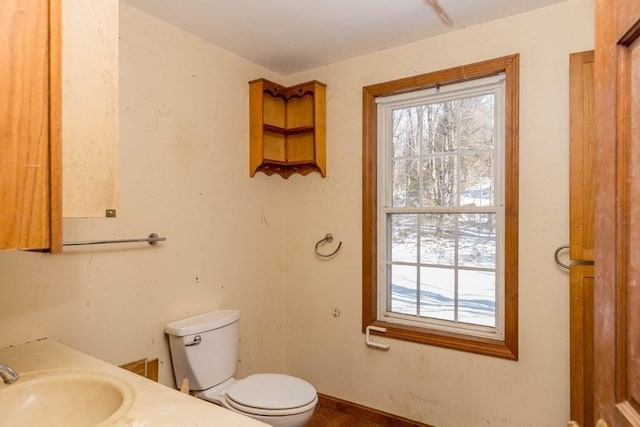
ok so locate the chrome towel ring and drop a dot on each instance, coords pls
(557, 259)
(570, 263)
(328, 238)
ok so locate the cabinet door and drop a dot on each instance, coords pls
(581, 151)
(581, 343)
(30, 125)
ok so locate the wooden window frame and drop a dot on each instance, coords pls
(507, 347)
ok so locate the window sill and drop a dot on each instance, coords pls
(462, 342)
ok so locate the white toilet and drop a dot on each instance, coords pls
(204, 350)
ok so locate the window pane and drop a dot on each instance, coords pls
(407, 124)
(406, 184)
(440, 127)
(477, 123)
(437, 293)
(477, 240)
(404, 235)
(404, 289)
(439, 181)
(477, 297)
(476, 179)
(437, 239)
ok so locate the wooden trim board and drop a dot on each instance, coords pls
(144, 367)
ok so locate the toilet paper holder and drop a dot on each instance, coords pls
(367, 337)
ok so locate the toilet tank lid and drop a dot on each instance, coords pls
(202, 322)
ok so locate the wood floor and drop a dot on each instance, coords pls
(329, 417)
(334, 412)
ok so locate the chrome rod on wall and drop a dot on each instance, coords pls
(152, 239)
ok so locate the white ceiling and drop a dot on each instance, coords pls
(288, 36)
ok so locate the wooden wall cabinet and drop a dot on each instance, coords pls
(30, 105)
(287, 128)
(582, 216)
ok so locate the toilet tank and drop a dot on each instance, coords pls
(204, 348)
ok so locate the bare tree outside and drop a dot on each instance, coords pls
(443, 261)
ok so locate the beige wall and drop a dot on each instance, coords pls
(438, 386)
(235, 241)
(184, 175)
(89, 130)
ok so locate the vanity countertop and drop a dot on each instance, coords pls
(153, 404)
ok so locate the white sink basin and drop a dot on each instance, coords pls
(63, 397)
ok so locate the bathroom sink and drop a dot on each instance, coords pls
(63, 397)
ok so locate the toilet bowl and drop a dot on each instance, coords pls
(204, 350)
(276, 399)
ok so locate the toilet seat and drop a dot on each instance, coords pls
(271, 395)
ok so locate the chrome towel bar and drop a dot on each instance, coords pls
(152, 239)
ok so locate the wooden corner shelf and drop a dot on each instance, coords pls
(287, 128)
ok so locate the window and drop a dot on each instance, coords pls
(440, 207)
